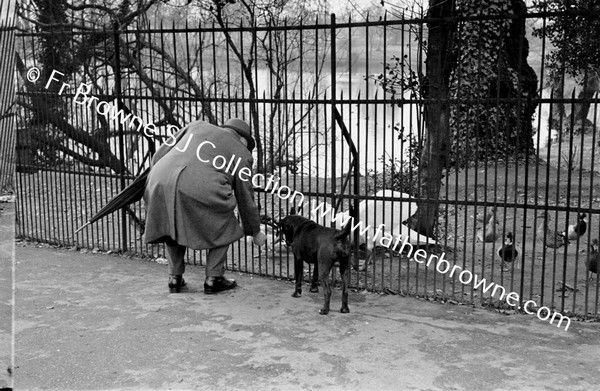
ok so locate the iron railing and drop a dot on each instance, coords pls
(7, 91)
(288, 81)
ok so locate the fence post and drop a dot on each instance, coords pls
(117, 93)
(333, 120)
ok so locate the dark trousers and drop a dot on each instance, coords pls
(215, 261)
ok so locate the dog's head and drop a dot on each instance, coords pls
(289, 227)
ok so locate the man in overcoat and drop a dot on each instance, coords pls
(191, 196)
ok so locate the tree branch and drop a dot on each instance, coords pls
(150, 85)
(206, 109)
(53, 118)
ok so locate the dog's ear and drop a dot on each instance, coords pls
(293, 210)
(340, 235)
(285, 229)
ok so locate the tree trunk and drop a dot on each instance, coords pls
(517, 51)
(558, 108)
(591, 85)
(434, 156)
(495, 87)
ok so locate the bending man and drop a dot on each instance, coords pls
(191, 203)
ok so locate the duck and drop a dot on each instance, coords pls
(593, 261)
(548, 236)
(508, 252)
(487, 233)
(575, 231)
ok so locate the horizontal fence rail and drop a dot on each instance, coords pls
(288, 82)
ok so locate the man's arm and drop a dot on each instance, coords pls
(244, 193)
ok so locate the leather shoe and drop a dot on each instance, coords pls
(218, 284)
(176, 283)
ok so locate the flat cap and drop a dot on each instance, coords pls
(243, 129)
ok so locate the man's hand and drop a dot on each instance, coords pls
(259, 239)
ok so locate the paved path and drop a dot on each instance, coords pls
(7, 229)
(95, 321)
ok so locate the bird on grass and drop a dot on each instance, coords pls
(593, 261)
(548, 236)
(575, 231)
(508, 252)
(487, 233)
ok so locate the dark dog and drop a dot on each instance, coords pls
(323, 247)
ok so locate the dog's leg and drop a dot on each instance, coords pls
(299, 276)
(314, 285)
(324, 278)
(345, 272)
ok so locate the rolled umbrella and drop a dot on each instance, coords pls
(132, 193)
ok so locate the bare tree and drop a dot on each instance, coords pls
(76, 40)
(278, 50)
(434, 158)
(167, 70)
(574, 36)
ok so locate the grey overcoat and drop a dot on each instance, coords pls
(191, 201)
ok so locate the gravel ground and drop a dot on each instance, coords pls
(7, 229)
(96, 321)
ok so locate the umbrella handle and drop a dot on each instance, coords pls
(82, 227)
